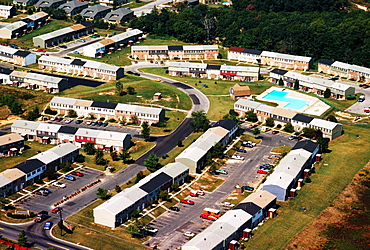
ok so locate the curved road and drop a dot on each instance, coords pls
(42, 239)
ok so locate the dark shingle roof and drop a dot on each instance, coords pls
(156, 182)
(78, 62)
(248, 207)
(107, 105)
(215, 67)
(68, 130)
(5, 71)
(252, 51)
(326, 62)
(175, 48)
(22, 53)
(308, 145)
(302, 118)
(226, 124)
(279, 71)
(29, 165)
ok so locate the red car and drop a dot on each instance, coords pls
(260, 171)
(56, 210)
(77, 173)
(367, 110)
(187, 201)
(41, 50)
(208, 217)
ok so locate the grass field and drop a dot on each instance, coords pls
(8, 162)
(173, 120)
(334, 173)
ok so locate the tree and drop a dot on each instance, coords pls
(145, 130)
(16, 108)
(119, 89)
(114, 155)
(332, 118)
(66, 166)
(175, 187)
(270, 122)
(296, 84)
(152, 163)
(323, 144)
(281, 82)
(125, 155)
(199, 121)
(80, 158)
(163, 194)
(59, 14)
(102, 193)
(256, 132)
(117, 188)
(135, 119)
(99, 157)
(309, 132)
(139, 176)
(90, 148)
(179, 144)
(251, 116)
(50, 174)
(217, 150)
(327, 93)
(22, 239)
(33, 114)
(131, 90)
(78, 18)
(288, 128)
(72, 113)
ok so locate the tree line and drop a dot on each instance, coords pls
(319, 29)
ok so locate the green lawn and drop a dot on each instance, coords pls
(219, 106)
(135, 4)
(334, 173)
(8, 162)
(173, 120)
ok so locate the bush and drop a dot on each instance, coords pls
(111, 120)
(351, 97)
(80, 159)
(39, 181)
(278, 126)
(307, 179)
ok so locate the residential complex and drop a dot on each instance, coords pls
(195, 52)
(11, 144)
(111, 2)
(222, 72)
(95, 12)
(7, 11)
(73, 7)
(345, 70)
(235, 224)
(49, 3)
(119, 15)
(311, 84)
(117, 210)
(108, 110)
(80, 67)
(270, 58)
(16, 56)
(24, 26)
(283, 116)
(236, 92)
(16, 178)
(36, 81)
(60, 36)
(289, 173)
(111, 44)
(47, 133)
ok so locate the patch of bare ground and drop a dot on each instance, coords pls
(345, 224)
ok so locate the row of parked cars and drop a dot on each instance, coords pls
(70, 120)
(46, 192)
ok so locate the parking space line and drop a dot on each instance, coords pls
(57, 246)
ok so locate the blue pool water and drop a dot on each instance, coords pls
(293, 103)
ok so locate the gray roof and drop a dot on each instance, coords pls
(93, 10)
(26, 124)
(118, 14)
(64, 149)
(47, 3)
(68, 7)
(15, 26)
(44, 78)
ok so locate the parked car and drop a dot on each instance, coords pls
(58, 119)
(266, 166)
(99, 124)
(105, 124)
(189, 234)
(13, 45)
(187, 201)
(237, 157)
(52, 118)
(88, 122)
(94, 123)
(68, 121)
(56, 210)
(221, 171)
(208, 217)
(367, 110)
(150, 229)
(76, 52)
(69, 177)
(276, 157)
(45, 190)
(176, 209)
(41, 216)
(333, 78)
(136, 74)
(129, 72)
(94, 36)
(241, 150)
(59, 184)
(252, 125)
(227, 204)
(361, 98)
(41, 193)
(63, 46)
(248, 188)
(48, 225)
(260, 171)
(41, 50)
(77, 173)
(294, 137)
(81, 40)
(78, 121)
(275, 132)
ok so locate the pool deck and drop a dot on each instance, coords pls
(315, 107)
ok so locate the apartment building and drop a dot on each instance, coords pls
(222, 72)
(191, 52)
(73, 7)
(111, 44)
(273, 59)
(311, 84)
(11, 144)
(118, 111)
(7, 11)
(16, 56)
(283, 116)
(60, 36)
(119, 15)
(80, 67)
(95, 12)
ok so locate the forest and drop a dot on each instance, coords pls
(328, 29)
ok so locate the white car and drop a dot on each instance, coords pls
(59, 184)
(237, 157)
(189, 234)
(69, 121)
(227, 204)
(88, 122)
(52, 118)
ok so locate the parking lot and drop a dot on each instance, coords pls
(36, 203)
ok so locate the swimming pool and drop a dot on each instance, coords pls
(292, 103)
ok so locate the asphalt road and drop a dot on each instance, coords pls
(172, 225)
(148, 7)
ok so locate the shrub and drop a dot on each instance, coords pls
(111, 120)
(39, 181)
(307, 179)
(80, 159)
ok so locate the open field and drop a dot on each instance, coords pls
(333, 174)
(173, 120)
